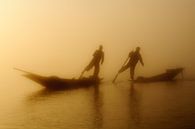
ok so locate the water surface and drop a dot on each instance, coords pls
(167, 105)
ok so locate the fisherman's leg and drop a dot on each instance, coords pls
(89, 66)
(96, 71)
(123, 68)
(132, 72)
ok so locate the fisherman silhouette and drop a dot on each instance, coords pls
(98, 57)
(133, 58)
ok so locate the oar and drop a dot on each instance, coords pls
(82, 73)
(115, 78)
(118, 72)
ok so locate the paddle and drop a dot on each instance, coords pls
(115, 78)
(82, 73)
(118, 72)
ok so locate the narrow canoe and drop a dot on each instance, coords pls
(54, 82)
(169, 75)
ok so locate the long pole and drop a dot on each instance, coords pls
(82, 73)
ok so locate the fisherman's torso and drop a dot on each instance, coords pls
(97, 56)
(134, 58)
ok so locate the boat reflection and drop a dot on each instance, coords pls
(47, 93)
(92, 102)
(43, 94)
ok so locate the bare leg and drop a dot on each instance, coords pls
(123, 68)
(132, 72)
(90, 66)
(87, 68)
(96, 71)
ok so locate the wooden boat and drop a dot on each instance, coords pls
(169, 75)
(54, 82)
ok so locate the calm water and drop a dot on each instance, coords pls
(26, 105)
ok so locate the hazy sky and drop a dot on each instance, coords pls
(60, 36)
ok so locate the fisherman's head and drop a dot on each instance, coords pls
(138, 49)
(100, 47)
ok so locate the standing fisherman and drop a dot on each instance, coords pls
(133, 58)
(98, 57)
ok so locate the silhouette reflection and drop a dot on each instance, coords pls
(134, 104)
(97, 106)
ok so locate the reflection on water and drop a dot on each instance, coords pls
(43, 94)
(97, 105)
(107, 106)
(134, 105)
(96, 101)
(93, 99)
